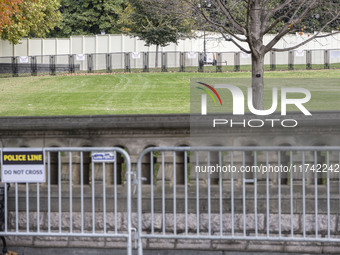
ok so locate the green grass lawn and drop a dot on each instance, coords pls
(134, 93)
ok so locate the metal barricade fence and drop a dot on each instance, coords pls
(165, 61)
(203, 193)
(288, 194)
(75, 201)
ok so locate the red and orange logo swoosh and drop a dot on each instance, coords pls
(209, 93)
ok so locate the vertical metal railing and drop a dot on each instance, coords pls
(164, 60)
(15, 67)
(262, 208)
(34, 68)
(219, 62)
(182, 61)
(272, 61)
(90, 63)
(201, 62)
(109, 63)
(308, 59)
(145, 61)
(326, 59)
(127, 63)
(71, 67)
(237, 61)
(291, 60)
(54, 64)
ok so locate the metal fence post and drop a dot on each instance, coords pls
(272, 61)
(90, 63)
(326, 59)
(291, 60)
(181, 62)
(146, 62)
(34, 68)
(71, 63)
(127, 62)
(309, 60)
(129, 173)
(61, 63)
(237, 61)
(108, 63)
(164, 61)
(139, 205)
(219, 62)
(201, 62)
(15, 66)
(52, 65)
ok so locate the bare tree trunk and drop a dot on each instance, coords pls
(156, 59)
(257, 81)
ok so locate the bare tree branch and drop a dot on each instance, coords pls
(316, 36)
(279, 7)
(230, 17)
(229, 39)
(294, 20)
(218, 25)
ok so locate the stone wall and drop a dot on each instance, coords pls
(233, 244)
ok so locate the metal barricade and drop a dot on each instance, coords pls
(169, 61)
(71, 204)
(288, 194)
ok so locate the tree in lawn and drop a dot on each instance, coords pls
(246, 22)
(88, 17)
(31, 18)
(146, 20)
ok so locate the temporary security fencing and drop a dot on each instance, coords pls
(164, 62)
(239, 193)
(183, 193)
(75, 205)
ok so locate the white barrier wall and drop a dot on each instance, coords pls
(122, 43)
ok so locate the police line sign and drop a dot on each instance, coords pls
(23, 166)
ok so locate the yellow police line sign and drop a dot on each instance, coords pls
(23, 165)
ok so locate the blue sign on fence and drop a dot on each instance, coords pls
(103, 157)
